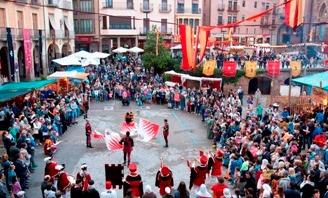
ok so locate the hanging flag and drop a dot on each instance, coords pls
(230, 34)
(157, 38)
(273, 68)
(251, 67)
(187, 38)
(147, 130)
(295, 67)
(209, 67)
(229, 68)
(203, 38)
(27, 52)
(11, 53)
(98, 135)
(40, 51)
(113, 141)
(294, 12)
(132, 128)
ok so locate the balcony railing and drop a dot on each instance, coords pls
(67, 5)
(144, 31)
(165, 30)
(53, 3)
(3, 33)
(233, 8)
(221, 7)
(146, 7)
(55, 34)
(189, 10)
(120, 27)
(18, 33)
(21, 1)
(35, 2)
(34, 34)
(220, 22)
(275, 11)
(264, 24)
(165, 8)
(118, 6)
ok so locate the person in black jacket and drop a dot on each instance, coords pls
(292, 191)
(21, 171)
(76, 190)
(92, 192)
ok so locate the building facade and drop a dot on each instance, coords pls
(319, 27)
(125, 23)
(86, 25)
(189, 12)
(50, 31)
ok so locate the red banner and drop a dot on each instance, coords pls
(326, 64)
(229, 68)
(27, 52)
(187, 38)
(273, 68)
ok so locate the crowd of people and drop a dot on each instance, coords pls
(266, 151)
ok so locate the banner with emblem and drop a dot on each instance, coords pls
(11, 53)
(273, 68)
(251, 67)
(229, 68)
(296, 67)
(209, 67)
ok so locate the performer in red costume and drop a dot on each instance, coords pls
(164, 178)
(63, 184)
(84, 176)
(215, 163)
(88, 132)
(128, 144)
(50, 168)
(133, 181)
(198, 173)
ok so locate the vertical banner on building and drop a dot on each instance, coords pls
(11, 54)
(187, 37)
(229, 68)
(209, 67)
(251, 67)
(40, 51)
(273, 68)
(27, 52)
(295, 67)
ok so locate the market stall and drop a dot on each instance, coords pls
(67, 79)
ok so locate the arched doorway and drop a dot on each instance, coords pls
(53, 53)
(66, 49)
(21, 64)
(323, 11)
(261, 82)
(36, 62)
(4, 66)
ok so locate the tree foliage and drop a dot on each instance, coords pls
(162, 62)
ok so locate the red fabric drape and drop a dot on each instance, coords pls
(294, 12)
(186, 37)
(229, 68)
(273, 68)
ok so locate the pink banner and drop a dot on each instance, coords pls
(27, 52)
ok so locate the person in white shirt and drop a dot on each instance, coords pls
(109, 193)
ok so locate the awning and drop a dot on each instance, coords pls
(68, 74)
(26, 85)
(81, 75)
(67, 23)
(8, 95)
(314, 80)
(52, 21)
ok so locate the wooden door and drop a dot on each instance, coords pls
(20, 20)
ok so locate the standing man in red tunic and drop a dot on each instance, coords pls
(215, 163)
(164, 178)
(128, 144)
(166, 132)
(88, 132)
(50, 168)
(84, 176)
(63, 184)
(198, 173)
(133, 181)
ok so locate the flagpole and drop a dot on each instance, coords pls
(196, 50)
(290, 90)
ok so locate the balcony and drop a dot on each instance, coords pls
(52, 3)
(118, 6)
(144, 31)
(17, 33)
(233, 8)
(67, 5)
(192, 11)
(167, 31)
(3, 34)
(264, 24)
(55, 34)
(221, 7)
(35, 2)
(34, 34)
(220, 22)
(22, 1)
(120, 27)
(146, 7)
(275, 11)
(164, 8)
(274, 25)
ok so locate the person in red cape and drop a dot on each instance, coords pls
(166, 132)
(320, 140)
(88, 132)
(133, 181)
(84, 176)
(50, 168)
(128, 144)
(215, 163)
(63, 184)
(198, 173)
(218, 188)
(164, 178)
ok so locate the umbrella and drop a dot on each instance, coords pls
(90, 61)
(120, 50)
(100, 55)
(135, 49)
(68, 60)
(82, 54)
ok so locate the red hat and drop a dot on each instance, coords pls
(133, 167)
(108, 185)
(220, 152)
(165, 170)
(203, 160)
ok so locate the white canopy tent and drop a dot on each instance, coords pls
(68, 60)
(100, 55)
(90, 61)
(176, 47)
(135, 50)
(62, 74)
(120, 50)
(82, 54)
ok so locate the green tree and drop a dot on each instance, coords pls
(162, 62)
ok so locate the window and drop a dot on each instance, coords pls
(109, 3)
(3, 17)
(180, 21)
(255, 4)
(244, 3)
(267, 6)
(123, 22)
(195, 8)
(185, 21)
(180, 8)
(234, 18)
(191, 22)
(230, 4)
(86, 26)
(254, 30)
(262, 20)
(104, 20)
(220, 20)
(229, 19)
(129, 4)
(238, 30)
(196, 25)
(86, 6)
(273, 21)
(243, 17)
(76, 25)
(246, 30)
